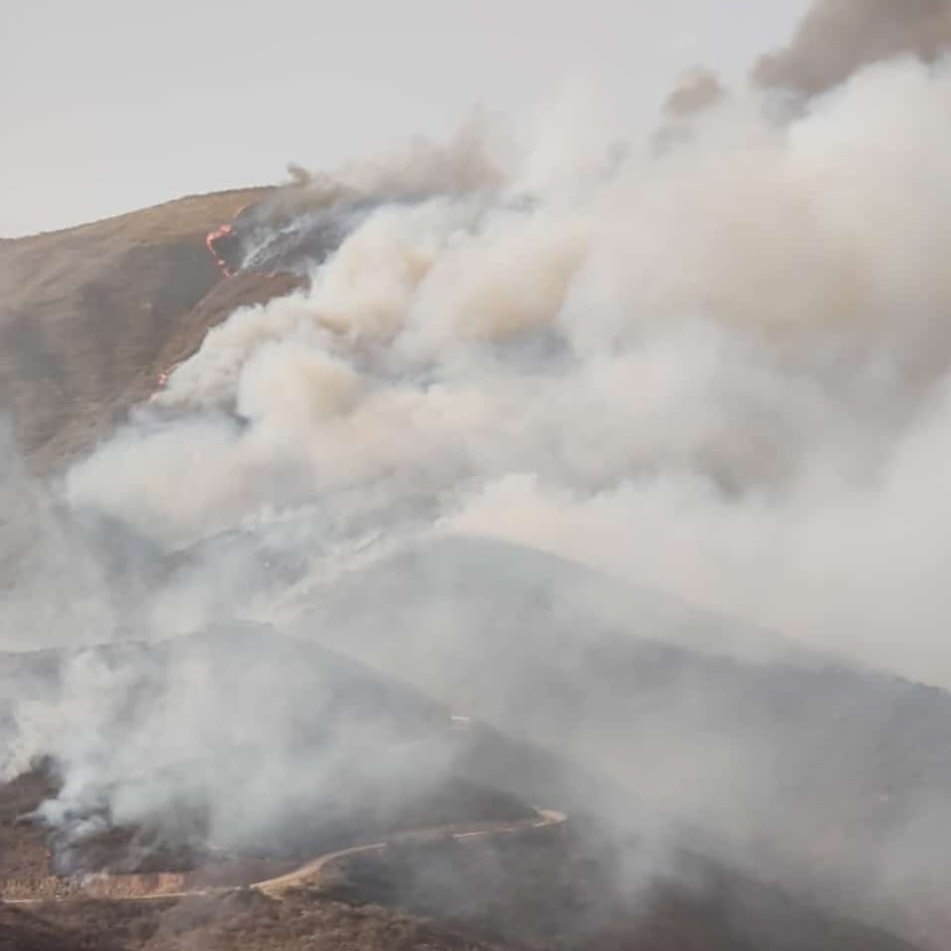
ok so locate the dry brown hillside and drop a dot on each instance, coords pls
(568, 887)
(90, 316)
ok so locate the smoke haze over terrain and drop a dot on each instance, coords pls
(116, 109)
(719, 370)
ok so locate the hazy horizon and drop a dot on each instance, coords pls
(110, 108)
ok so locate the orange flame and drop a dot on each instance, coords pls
(210, 240)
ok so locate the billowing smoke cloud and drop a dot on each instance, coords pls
(237, 738)
(721, 371)
(695, 92)
(297, 226)
(839, 37)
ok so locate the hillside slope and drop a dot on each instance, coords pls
(808, 769)
(90, 316)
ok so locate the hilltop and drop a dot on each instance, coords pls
(90, 317)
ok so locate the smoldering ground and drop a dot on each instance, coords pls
(718, 370)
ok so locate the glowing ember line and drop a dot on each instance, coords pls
(210, 240)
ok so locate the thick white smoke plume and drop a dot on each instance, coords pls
(720, 371)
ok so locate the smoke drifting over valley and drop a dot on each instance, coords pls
(721, 372)
(542, 398)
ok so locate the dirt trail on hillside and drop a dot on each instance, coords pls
(311, 871)
(167, 885)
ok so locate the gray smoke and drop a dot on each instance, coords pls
(697, 90)
(839, 37)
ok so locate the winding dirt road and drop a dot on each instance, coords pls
(310, 873)
(169, 885)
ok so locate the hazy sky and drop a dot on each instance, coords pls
(109, 105)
